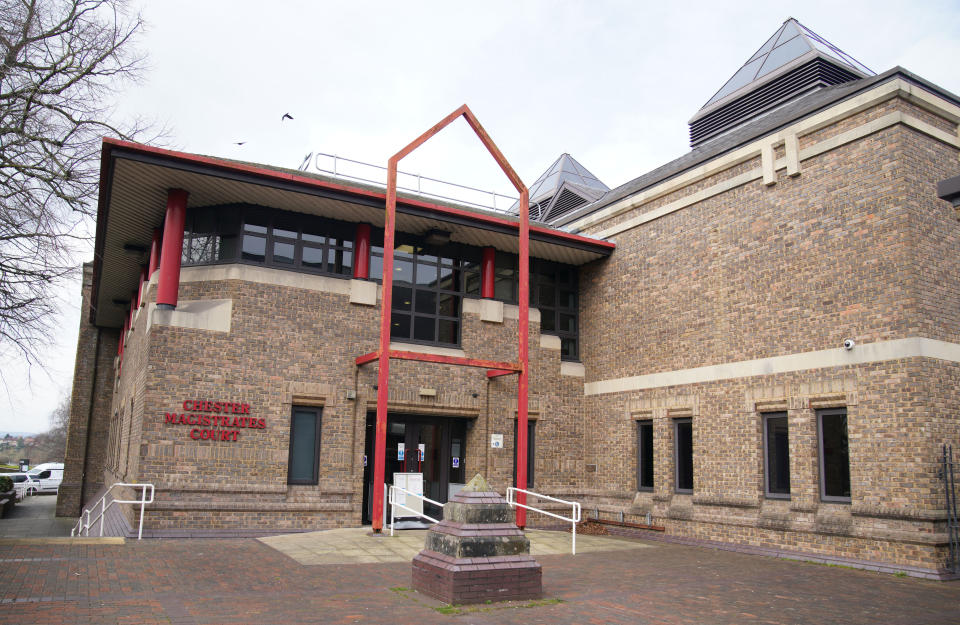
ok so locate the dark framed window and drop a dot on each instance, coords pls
(683, 454)
(834, 455)
(645, 455)
(553, 290)
(264, 236)
(776, 455)
(531, 451)
(427, 296)
(303, 466)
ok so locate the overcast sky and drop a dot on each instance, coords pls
(612, 83)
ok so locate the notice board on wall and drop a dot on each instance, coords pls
(412, 482)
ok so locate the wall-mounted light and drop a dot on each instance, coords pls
(134, 248)
(435, 236)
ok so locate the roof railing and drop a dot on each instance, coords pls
(338, 166)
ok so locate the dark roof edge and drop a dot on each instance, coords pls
(865, 84)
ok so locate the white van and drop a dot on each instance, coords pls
(23, 484)
(49, 475)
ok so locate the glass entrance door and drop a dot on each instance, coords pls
(441, 463)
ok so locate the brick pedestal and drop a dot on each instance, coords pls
(477, 553)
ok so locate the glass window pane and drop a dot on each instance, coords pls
(254, 248)
(548, 320)
(471, 282)
(424, 328)
(313, 258)
(568, 348)
(684, 454)
(503, 289)
(376, 267)
(645, 450)
(402, 271)
(314, 232)
(449, 332)
(567, 323)
(283, 253)
(778, 455)
(402, 298)
(285, 226)
(426, 274)
(303, 446)
(449, 305)
(836, 454)
(547, 295)
(400, 326)
(567, 299)
(256, 221)
(449, 279)
(426, 302)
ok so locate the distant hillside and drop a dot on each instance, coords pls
(24, 434)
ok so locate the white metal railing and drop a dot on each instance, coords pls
(413, 183)
(83, 528)
(574, 517)
(23, 489)
(398, 502)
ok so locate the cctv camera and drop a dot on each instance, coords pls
(848, 344)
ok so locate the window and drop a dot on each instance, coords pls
(553, 290)
(834, 455)
(776, 452)
(427, 295)
(252, 234)
(645, 455)
(531, 448)
(683, 454)
(304, 461)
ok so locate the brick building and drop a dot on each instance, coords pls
(756, 343)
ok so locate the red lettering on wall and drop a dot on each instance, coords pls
(245, 408)
(195, 417)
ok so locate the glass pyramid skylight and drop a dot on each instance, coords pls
(792, 43)
(564, 187)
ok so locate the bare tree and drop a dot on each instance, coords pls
(62, 64)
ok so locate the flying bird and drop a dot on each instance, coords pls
(286, 116)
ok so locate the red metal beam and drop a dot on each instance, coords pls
(496, 373)
(362, 360)
(513, 367)
(384, 354)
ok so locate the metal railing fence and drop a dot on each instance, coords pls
(83, 528)
(573, 519)
(412, 183)
(397, 498)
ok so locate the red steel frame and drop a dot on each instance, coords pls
(494, 369)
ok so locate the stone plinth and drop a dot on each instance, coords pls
(477, 553)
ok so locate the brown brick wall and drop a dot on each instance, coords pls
(87, 432)
(856, 246)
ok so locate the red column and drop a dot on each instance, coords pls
(133, 307)
(361, 252)
(154, 253)
(172, 248)
(523, 380)
(487, 271)
(143, 278)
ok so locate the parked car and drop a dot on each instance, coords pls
(48, 476)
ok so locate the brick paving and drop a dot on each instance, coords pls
(233, 581)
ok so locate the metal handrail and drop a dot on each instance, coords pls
(23, 489)
(313, 158)
(574, 517)
(392, 500)
(83, 529)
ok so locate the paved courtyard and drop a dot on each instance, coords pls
(357, 546)
(221, 581)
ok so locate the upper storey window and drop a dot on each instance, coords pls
(268, 237)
